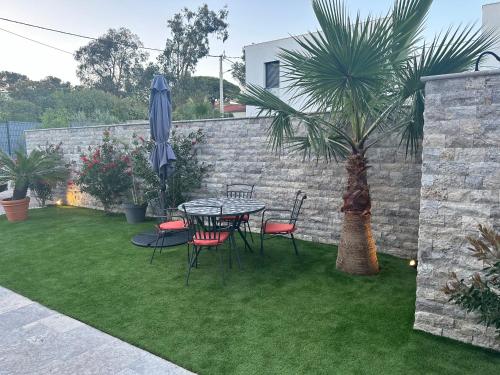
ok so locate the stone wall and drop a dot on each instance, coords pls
(460, 188)
(236, 150)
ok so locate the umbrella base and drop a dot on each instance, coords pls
(149, 239)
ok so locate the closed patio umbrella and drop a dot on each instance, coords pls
(162, 157)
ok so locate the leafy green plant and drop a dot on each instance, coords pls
(195, 110)
(105, 173)
(357, 81)
(25, 170)
(186, 177)
(481, 292)
(42, 188)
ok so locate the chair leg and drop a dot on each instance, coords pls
(221, 264)
(249, 231)
(154, 249)
(261, 243)
(191, 263)
(235, 249)
(294, 244)
(188, 255)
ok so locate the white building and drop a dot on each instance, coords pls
(491, 20)
(263, 68)
(263, 65)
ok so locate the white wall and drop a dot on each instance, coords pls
(256, 55)
(491, 20)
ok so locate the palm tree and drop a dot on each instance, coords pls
(355, 79)
(25, 170)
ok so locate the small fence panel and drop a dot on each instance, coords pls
(12, 135)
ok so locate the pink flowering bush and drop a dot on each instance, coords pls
(105, 173)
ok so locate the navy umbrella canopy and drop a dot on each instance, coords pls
(162, 157)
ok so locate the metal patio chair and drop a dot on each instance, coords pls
(240, 191)
(207, 231)
(168, 220)
(284, 224)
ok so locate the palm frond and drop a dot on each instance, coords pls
(453, 52)
(408, 17)
(323, 137)
(346, 62)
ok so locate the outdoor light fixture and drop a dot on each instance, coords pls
(59, 202)
(413, 263)
(485, 53)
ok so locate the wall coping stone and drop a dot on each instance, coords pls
(146, 122)
(461, 75)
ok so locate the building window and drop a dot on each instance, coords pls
(272, 74)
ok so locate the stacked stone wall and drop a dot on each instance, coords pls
(236, 150)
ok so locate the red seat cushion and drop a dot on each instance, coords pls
(279, 228)
(173, 225)
(234, 218)
(211, 239)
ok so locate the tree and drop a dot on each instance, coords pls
(113, 63)
(195, 110)
(238, 70)
(201, 88)
(10, 79)
(189, 41)
(357, 78)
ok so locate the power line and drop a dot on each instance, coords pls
(36, 41)
(64, 32)
(85, 36)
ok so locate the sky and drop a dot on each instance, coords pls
(250, 21)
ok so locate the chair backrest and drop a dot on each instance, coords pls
(239, 191)
(204, 226)
(297, 205)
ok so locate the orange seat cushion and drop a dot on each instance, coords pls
(173, 225)
(279, 228)
(234, 218)
(210, 239)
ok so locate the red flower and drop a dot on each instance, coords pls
(193, 142)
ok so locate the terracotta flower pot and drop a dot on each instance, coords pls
(16, 210)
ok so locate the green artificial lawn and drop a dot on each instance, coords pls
(279, 315)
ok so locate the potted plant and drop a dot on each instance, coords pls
(23, 171)
(105, 173)
(141, 175)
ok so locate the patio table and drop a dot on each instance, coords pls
(237, 207)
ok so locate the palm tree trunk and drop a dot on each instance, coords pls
(357, 250)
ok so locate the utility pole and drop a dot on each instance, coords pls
(221, 87)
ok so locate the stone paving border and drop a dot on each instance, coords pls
(37, 340)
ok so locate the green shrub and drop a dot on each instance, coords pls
(42, 188)
(188, 171)
(105, 173)
(481, 292)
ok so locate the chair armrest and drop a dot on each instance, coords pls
(275, 210)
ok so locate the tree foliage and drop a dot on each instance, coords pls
(200, 89)
(354, 74)
(113, 63)
(57, 104)
(238, 70)
(189, 41)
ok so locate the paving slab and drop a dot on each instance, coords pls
(37, 340)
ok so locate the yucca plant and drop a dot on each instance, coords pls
(354, 82)
(24, 170)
